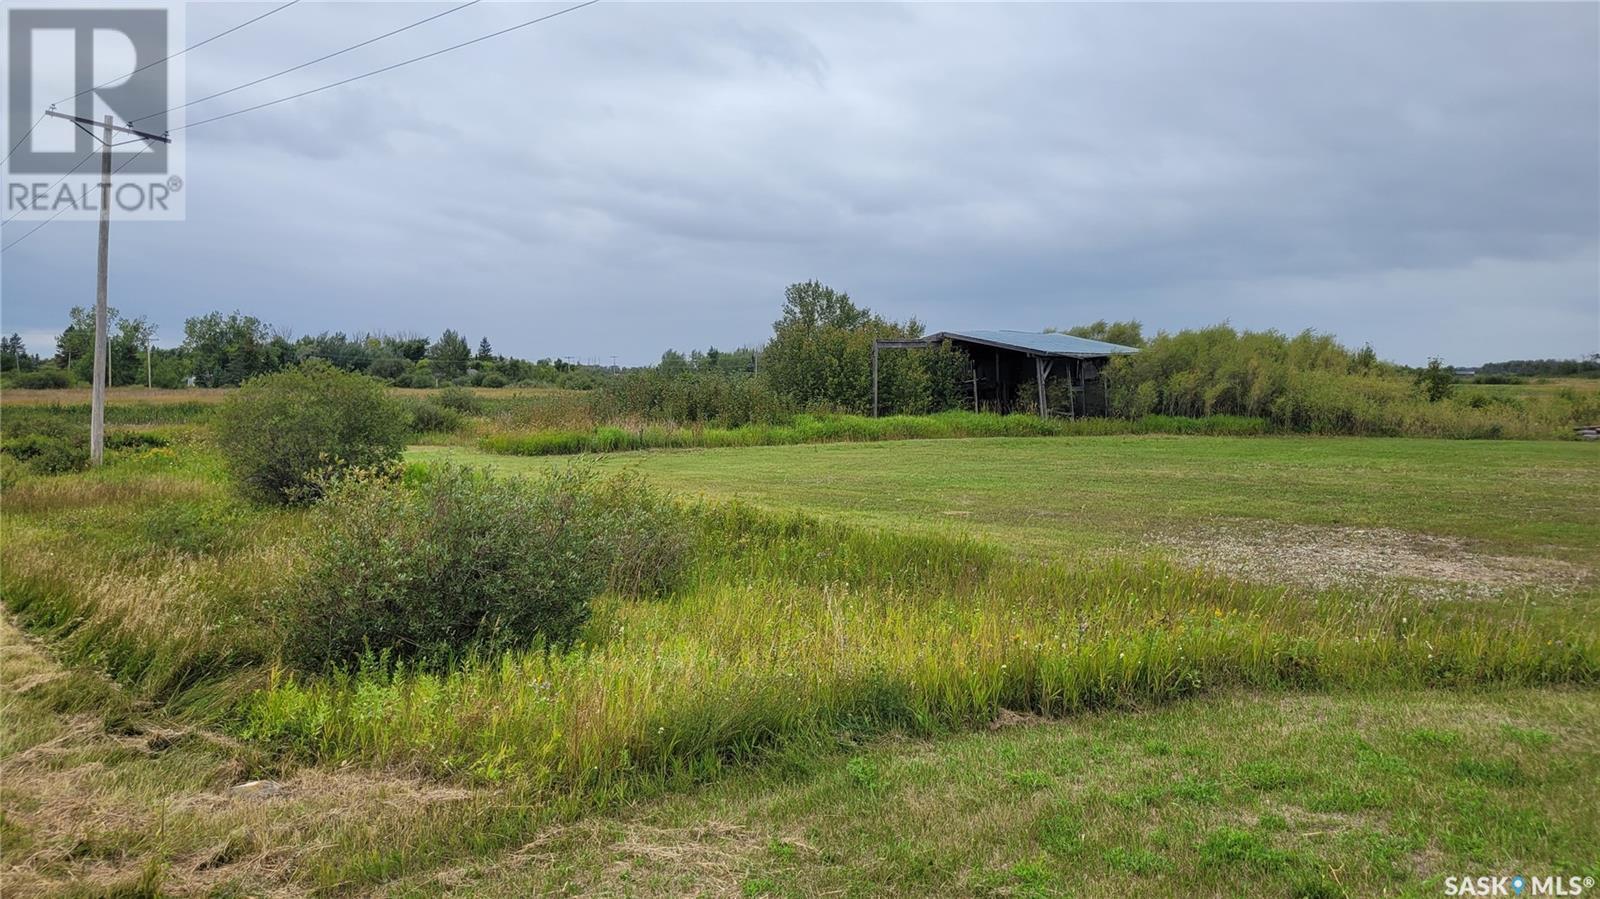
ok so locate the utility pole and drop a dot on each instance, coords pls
(97, 406)
(147, 381)
(874, 379)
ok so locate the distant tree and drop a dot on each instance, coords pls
(1365, 360)
(14, 355)
(407, 347)
(673, 363)
(485, 354)
(169, 368)
(811, 304)
(1128, 333)
(229, 350)
(127, 350)
(450, 355)
(340, 351)
(1436, 381)
(1588, 367)
(514, 370)
(75, 346)
(821, 356)
(389, 367)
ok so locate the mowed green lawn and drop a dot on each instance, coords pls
(1238, 795)
(1067, 494)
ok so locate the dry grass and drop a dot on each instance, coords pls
(97, 797)
(115, 396)
(38, 495)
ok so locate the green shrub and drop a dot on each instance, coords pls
(390, 368)
(43, 379)
(283, 433)
(1493, 378)
(135, 440)
(460, 399)
(1435, 382)
(732, 400)
(494, 380)
(432, 418)
(417, 378)
(454, 561)
(48, 454)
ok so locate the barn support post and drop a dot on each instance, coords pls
(874, 379)
(1041, 370)
(1000, 404)
(1083, 388)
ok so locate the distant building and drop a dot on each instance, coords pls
(1003, 360)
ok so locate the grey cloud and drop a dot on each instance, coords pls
(633, 176)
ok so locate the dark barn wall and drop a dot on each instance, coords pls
(1003, 375)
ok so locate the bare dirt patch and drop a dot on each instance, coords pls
(1346, 557)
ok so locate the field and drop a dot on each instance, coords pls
(1531, 387)
(998, 666)
(1494, 507)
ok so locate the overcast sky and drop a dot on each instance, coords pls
(634, 176)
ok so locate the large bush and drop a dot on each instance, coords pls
(432, 418)
(284, 433)
(43, 379)
(460, 399)
(455, 560)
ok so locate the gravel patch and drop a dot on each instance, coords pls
(1349, 557)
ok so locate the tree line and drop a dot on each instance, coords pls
(227, 349)
(819, 359)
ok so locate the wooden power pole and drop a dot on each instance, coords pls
(97, 407)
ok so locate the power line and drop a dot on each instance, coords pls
(86, 157)
(388, 68)
(163, 59)
(313, 62)
(52, 218)
(24, 138)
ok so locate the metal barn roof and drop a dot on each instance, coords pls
(1039, 343)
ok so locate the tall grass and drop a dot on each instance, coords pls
(151, 572)
(678, 690)
(24, 418)
(853, 428)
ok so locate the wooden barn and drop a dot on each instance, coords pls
(1003, 360)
